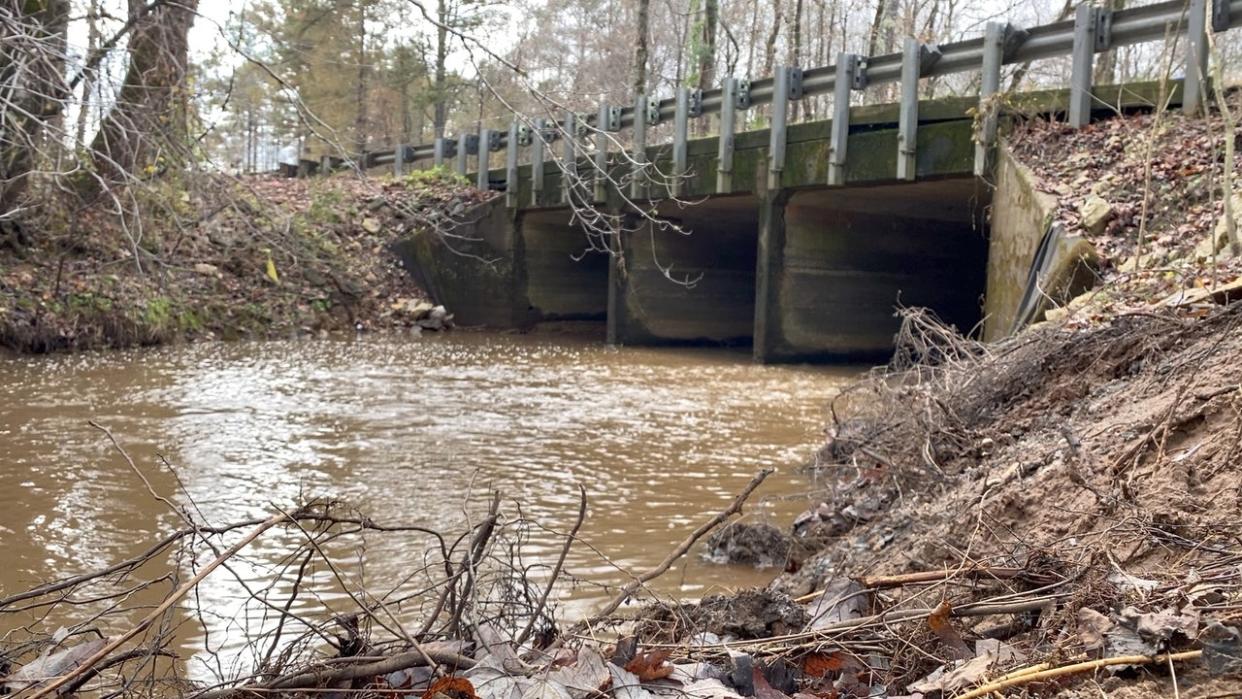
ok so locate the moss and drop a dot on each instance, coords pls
(158, 313)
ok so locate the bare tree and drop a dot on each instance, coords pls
(642, 36)
(152, 107)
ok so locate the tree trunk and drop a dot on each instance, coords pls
(31, 80)
(148, 120)
(795, 51)
(770, 54)
(88, 83)
(707, 44)
(873, 36)
(362, 88)
(440, 115)
(639, 82)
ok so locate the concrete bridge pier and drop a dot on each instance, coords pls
(833, 264)
(689, 282)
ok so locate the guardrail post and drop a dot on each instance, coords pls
(511, 166)
(638, 177)
(536, 162)
(916, 59)
(601, 154)
(681, 129)
(728, 119)
(1195, 82)
(989, 86)
(485, 156)
(398, 161)
(463, 149)
(438, 152)
(569, 172)
(847, 71)
(780, 112)
(1086, 25)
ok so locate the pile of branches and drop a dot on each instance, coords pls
(1059, 502)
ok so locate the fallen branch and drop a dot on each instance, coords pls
(158, 612)
(879, 582)
(556, 571)
(930, 576)
(831, 632)
(310, 679)
(1022, 679)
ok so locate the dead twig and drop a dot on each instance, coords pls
(159, 611)
(556, 570)
(630, 588)
(1087, 666)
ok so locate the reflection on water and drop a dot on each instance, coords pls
(408, 429)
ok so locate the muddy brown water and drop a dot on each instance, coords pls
(413, 430)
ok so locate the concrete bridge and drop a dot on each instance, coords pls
(798, 269)
(800, 240)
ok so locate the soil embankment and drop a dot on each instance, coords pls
(255, 257)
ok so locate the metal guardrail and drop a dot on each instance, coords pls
(1092, 31)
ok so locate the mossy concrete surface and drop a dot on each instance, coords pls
(474, 269)
(838, 263)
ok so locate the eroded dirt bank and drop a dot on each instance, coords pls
(1067, 496)
(256, 257)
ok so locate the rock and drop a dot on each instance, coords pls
(371, 225)
(1095, 212)
(760, 544)
(1222, 649)
(755, 613)
(436, 319)
(204, 268)
(1219, 241)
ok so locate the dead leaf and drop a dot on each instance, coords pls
(1092, 628)
(650, 665)
(939, 622)
(842, 600)
(708, 689)
(764, 690)
(451, 686)
(820, 664)
(50, 665)
(626, 685)
(586, 677)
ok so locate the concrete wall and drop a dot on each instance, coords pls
(718, 255)
(813, 274)
(563, 277)
(474, 270)
(836, 263)
(1019, 217)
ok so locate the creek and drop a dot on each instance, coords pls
(411, 429)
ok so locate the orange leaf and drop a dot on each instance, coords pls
(453, 687)
(820, 664)
(650, 665)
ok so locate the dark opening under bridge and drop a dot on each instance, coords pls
(803, 237)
